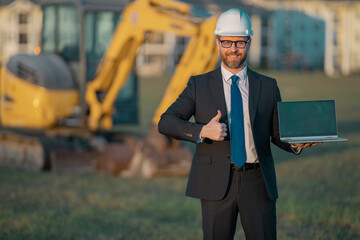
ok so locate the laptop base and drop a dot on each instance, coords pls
(314, 140)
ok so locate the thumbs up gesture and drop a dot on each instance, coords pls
(214, 130)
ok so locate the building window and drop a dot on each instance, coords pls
(316, 27)
(264, 40)
(316, 44)
(159, 38)
(335, 38)
(302, 45)
(180, 40)
(23, 38)
(302, 27)
(265, 23)
(23, 18)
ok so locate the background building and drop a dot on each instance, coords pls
(289, 34)
(341, 22)
(295, 41)
(20, 26)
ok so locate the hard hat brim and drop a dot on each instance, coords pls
(232, 34)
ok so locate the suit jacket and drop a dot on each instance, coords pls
(204, 95)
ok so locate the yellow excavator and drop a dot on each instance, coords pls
(83, 81)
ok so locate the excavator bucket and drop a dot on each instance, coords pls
(157, 155)
(154, 155)
(67, 161)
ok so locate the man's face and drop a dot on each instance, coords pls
(233, 57)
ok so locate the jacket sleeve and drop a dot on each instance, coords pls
(175, 121)
(275, 136)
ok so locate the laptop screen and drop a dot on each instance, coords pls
(307, 118)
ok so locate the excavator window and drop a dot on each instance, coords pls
(49, 29)
(99, 28)
(61, 31)
(61, 35)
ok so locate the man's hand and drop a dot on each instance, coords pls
(305, 145)
(214, 130)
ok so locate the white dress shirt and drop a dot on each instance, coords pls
(251, 155)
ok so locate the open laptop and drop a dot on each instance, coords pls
(308, 121)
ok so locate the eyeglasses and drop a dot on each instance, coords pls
(238, 44)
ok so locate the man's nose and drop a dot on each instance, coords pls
(233, 47)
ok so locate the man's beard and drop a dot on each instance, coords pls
(235, 63)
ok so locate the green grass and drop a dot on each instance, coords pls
(318, 200)
(43, 206)
(320, 197)
(319, 190)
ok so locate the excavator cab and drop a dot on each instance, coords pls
(80, 32)
(47, 90)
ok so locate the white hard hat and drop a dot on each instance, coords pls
(233, 22)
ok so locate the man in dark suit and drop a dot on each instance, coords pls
(235, 111)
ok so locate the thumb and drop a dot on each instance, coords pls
(218, 116)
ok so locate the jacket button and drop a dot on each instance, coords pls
(228, 155)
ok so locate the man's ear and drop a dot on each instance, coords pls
(249, 43)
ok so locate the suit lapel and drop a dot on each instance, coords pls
(254, 93)
(217, 91)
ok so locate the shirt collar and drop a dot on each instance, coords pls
(226, 74)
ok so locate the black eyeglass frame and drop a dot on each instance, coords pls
(234, 42)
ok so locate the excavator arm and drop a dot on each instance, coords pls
(138, 19)
(200, 56)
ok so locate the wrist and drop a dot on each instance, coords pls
(203, 132)
(200, 138)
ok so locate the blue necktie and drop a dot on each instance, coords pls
(238, 152)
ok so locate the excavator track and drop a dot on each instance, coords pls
(22, 151)
(33, 152)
